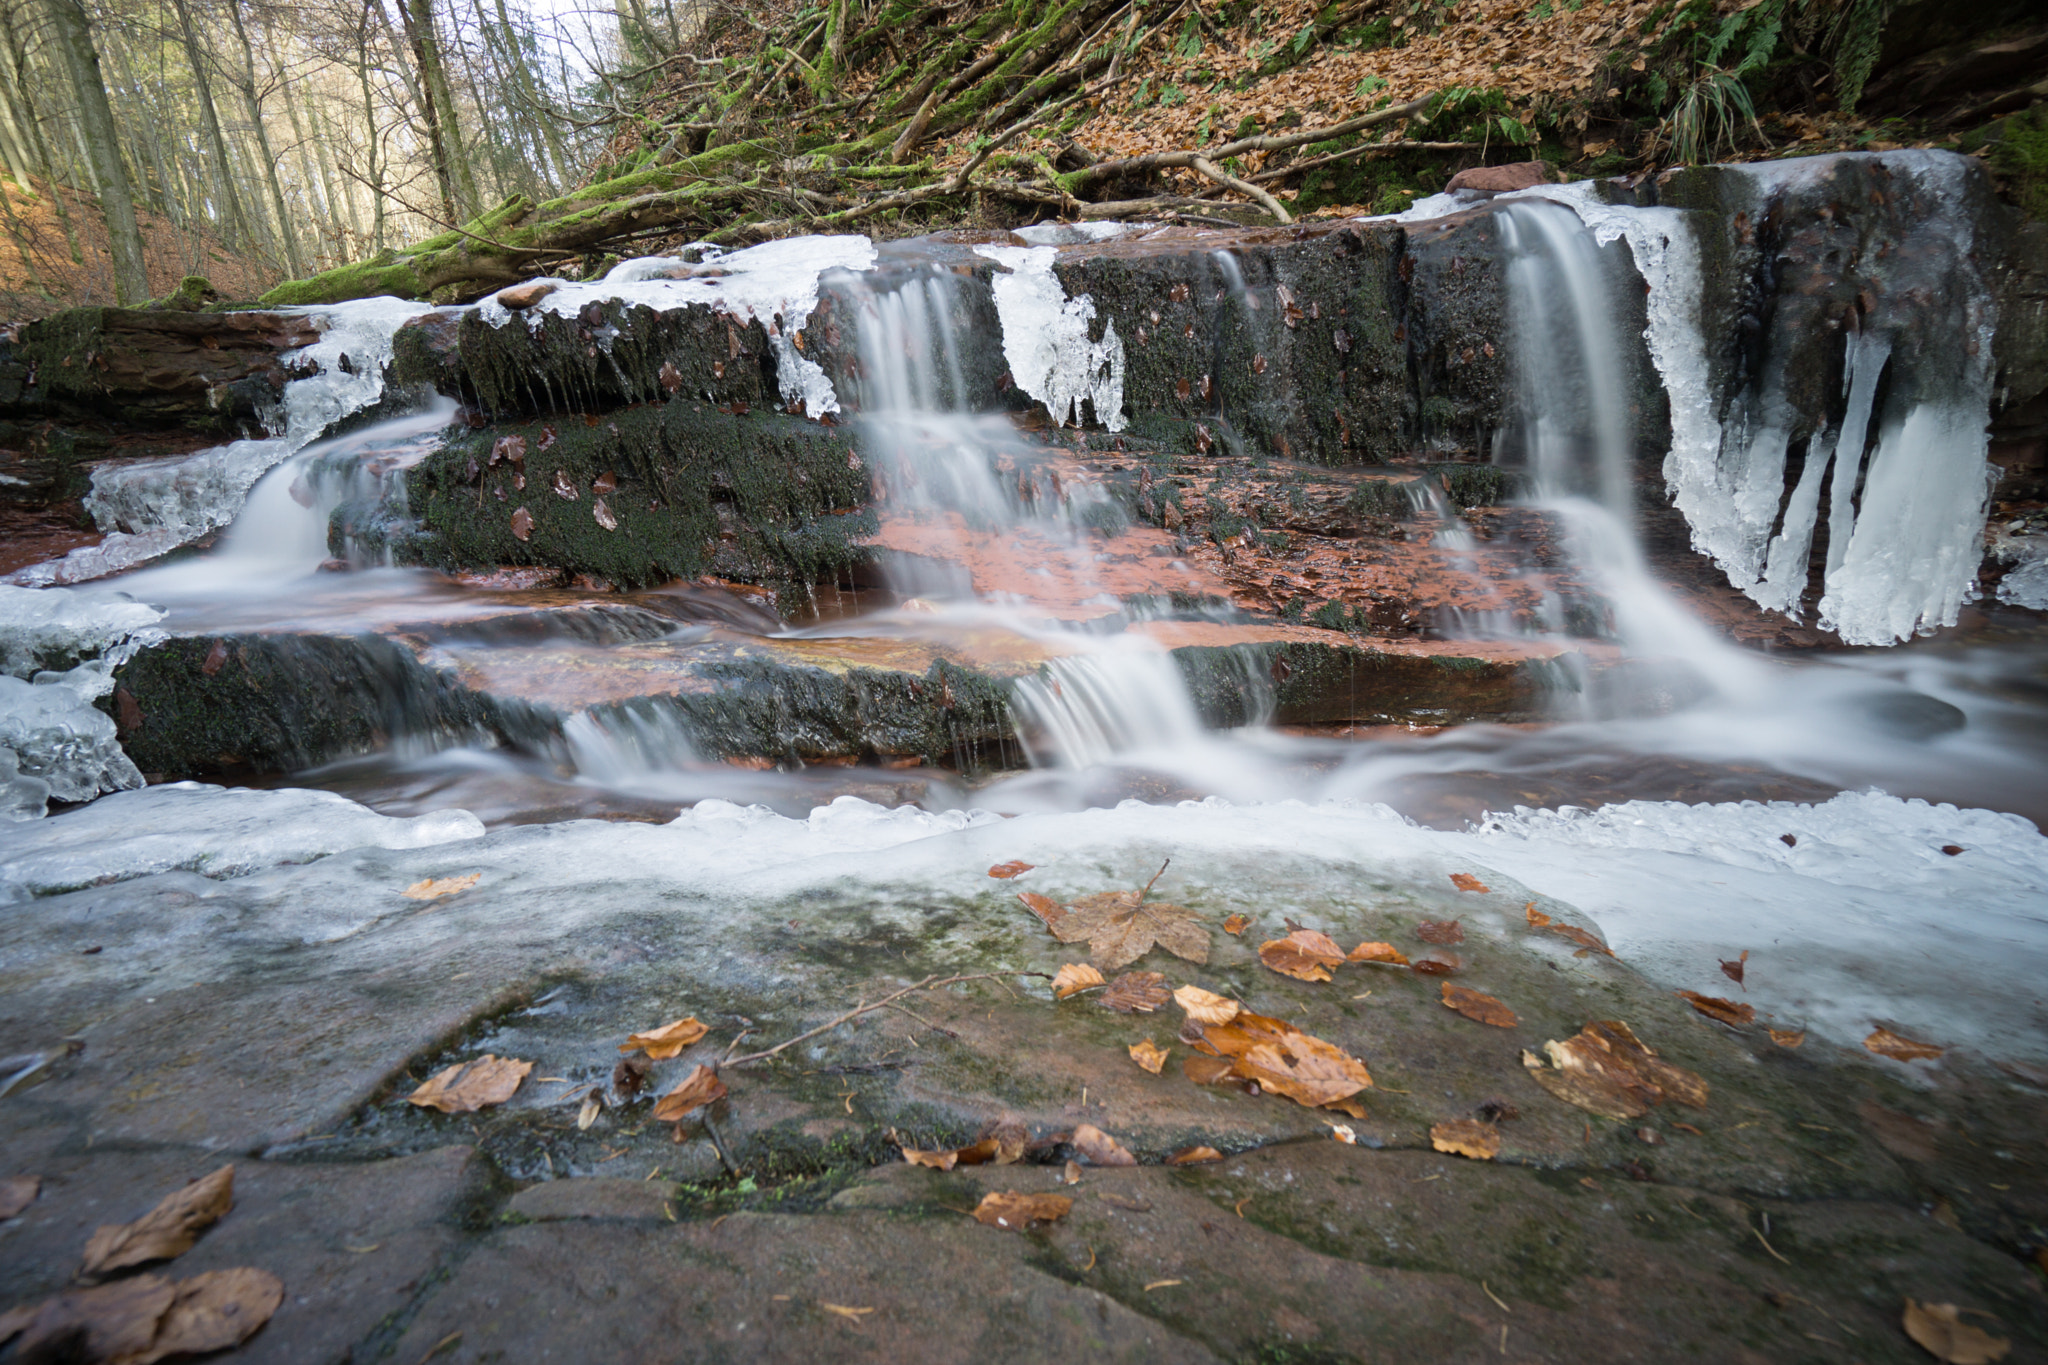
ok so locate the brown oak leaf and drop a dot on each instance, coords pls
(1236, 925)
(1734, 970)
(1787, 1038)
(1437, 962)
(1939, 1330)
(1279, 1057)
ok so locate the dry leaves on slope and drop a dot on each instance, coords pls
(441, 886)
(1465, 881)
(469, 1086)
(1437, 962)
(1900, 1048)
(1441, 932)
(1304, 955)
(1466, 1137)
(1005, 871)
(1236, 925)
(1787, 1038)
(1278, 1057)
(17, 1192)
(1728, 1012)
(1734, 970)
(1477, 1005)
(1098, 1148)
(165, 1231)
(1073, 978)
(1938, 1328)
(1539, 920)
(147, 1318)
(1122, 926)
(1605, 1069)
(1136, 992)
(1010, 1209)
(1378, 952)
(667, 1041)
(1149, 1056)
(699, 1088)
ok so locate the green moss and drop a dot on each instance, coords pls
(2018, 150)
(383, 273)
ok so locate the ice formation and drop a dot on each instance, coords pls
(775, 282)
(213, 831)
(55, 745)
(52, 627)
(1901, 560)
(151, 507)
(1045, 339)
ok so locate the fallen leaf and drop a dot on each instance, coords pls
(17, 1192)
(1714, 1007)
(1236, 925)
(165, 1231)
(1009, 1138)
(1005, 871)
(1125, 1202)
(587, 1115)
(667, 1041)
(1098, 1148)
(1344, 1133)
(1605, 1069)
(1304, 955)
(441, 886)
(1581, 937)
(1436, 962)
(1784, 1037)
(938, 1161)
(1281, 1058)
(1122, 927)
(1206, 1007)
(1733, 970)
(1073, 978)
(469, 1086)
(522, 524)
(1136, 992)
(212, 1312)
(1047, 909)
(1194, 1156)
(841, 1310)
(1442, 932)
(1900, 1048)
(1070, 1174)
(1378, 952)
(1939, 1330)
(630, 1076)
(1475, 1005)
(602, 514)
(1150, 1057)
(1953, 850)
(1537, 919)
(699, 1088)
(1206, 1070)
(565, 487)
(1011, 1209)
(1465, 881)
(146, 1318)
(1466, 1137)
(1352, 1108)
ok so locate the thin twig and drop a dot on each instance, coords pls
(929, 983)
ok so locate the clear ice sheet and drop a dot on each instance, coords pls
(51, 735)
(1045, 339)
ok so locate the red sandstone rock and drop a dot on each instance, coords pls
(1521, 175)
(525, 295)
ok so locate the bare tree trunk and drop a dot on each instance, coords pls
(103, 145)
(140, 115)
(529, 95)
(287, 238)
(374, 175)
(236, 221)
(444, 130)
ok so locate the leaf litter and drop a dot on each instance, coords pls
(1149, 1056)
(1939, 1330)
(167, 1230)
(1136, 992)
(467, 1087)
(1073, 978)
(1275, 1056)
(1098, 1148)
(147, 1318)
(667, 1041)
(1121, 926)
(1478, 1005)
(1304, 954)
(1015, 1210)
(1728, 1012)
(1441, 932)
(1586, 941)
(1466, 1138)
(1605, 1069)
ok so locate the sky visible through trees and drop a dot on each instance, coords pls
(257, 140)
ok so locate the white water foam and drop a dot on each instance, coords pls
(1045, 339)
(775, 282)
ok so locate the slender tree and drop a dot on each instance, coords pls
(444, 129)
(103, 146)
(245, 80)
(233, 218)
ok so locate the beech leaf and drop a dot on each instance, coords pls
(1005, 871)
(1048, 910)
(433, 887)
(17, 1192)
(699, 1088)
(1148, 1056)
(470, 1086)
(1194, 1156)
(1938, 1329)
(1236, 925)
(1136, 992)
(1206, 1007)
(1465, 881)
(1900, 1048)
(165, 1231)
(1476, 1005)
(1787, 1038)
(1437, 962)
(1378, 952)
(1304, 955)
(1073, 978)
(1605, 1069)
(522, 524)
(1444, 932)
(1714, 1007)
(1098, 1148)
(1466, 1137)
(1279, 1057)
(667, 1041)
(1733, 970)
(1010, 1209)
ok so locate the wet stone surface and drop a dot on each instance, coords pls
(278, 1020)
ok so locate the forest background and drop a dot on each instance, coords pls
(311, 150)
